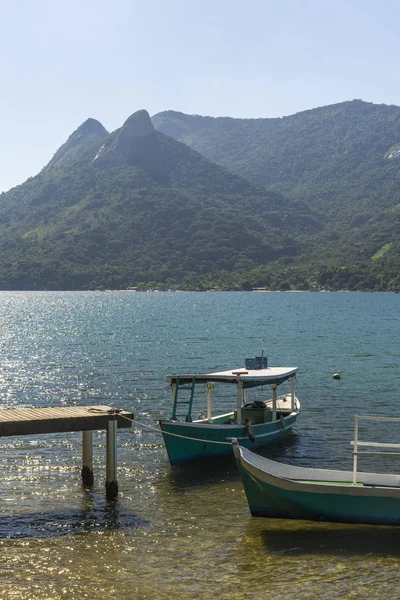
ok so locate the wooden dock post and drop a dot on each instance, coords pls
(87, 458)
(111, 466)
(60, 419)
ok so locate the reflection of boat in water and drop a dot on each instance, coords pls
(287, 537)
(278, 490)
(254, 424)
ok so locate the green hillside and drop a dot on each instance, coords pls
(136, 207)
(342, 161)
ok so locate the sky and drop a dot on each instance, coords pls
(62, 62)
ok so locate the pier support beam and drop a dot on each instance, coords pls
(111, 468)
(87, 458)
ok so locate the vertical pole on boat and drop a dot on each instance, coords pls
(210, 387)
(87, 458)
(292, 393)
(239, 401)
(355, 450)
(111, 466)
(273, 386)
(173, 388)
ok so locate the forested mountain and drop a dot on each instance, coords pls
(314, 202)
(343, 161)
(136, 206)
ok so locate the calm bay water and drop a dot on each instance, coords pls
(186, 532)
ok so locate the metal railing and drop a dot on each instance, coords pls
(357, 443)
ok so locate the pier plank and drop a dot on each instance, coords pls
(59, 419)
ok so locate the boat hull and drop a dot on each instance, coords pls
(271, 496)
(191, 441)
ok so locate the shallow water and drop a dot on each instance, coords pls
(186, 532)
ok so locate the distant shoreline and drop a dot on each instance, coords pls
(170, 291)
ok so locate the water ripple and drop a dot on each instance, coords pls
(185, 533)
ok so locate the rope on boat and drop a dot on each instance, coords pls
(185, 437)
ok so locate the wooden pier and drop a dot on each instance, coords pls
(61, 419)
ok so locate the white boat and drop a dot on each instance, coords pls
(278, 490)
(254, 423)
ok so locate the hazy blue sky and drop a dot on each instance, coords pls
(65, 61)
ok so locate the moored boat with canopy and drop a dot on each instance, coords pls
(254, 423)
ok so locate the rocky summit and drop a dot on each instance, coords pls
(91, 132)
(135, 144)
(136, 206)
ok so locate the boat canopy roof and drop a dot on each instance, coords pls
(249, 377)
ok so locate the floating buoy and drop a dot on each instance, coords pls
(336, 376)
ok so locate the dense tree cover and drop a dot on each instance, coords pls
(340, 160)
(148, 208)
(139, 208)
(279, 277)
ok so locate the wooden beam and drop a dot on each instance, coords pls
(111, 466)
(87, 458)
(32, 421)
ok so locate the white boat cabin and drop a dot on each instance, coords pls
(243, 379)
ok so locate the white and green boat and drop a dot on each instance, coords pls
(279, 490)
(254, 423)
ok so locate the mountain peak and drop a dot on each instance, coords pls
(91, 132)
(91, 126)
(139, 124)
(135, 144)
(133, 137)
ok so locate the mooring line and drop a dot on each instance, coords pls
(185, 437)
